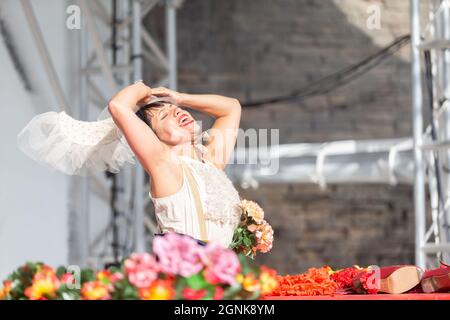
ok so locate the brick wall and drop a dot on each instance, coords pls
(257, 49)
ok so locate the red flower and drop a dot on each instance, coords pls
(218, 293)
(191, 294)
(344, 278)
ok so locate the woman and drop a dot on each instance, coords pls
(191, 193)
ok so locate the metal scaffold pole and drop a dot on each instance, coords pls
(139, 172)
(430, 46)
(171, 28)
(419, 180)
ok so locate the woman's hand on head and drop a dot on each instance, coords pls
(165, 92)
(144, 93)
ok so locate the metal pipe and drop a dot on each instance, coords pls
(435, 248)
(121, 68)
(171, 28)
(445, 20)
(83, 229)
(139, 177)
(45, 55)
(417, 121)
(98, 45)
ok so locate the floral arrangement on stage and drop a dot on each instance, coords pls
(179, 268)
(326, 281)
(253, 233)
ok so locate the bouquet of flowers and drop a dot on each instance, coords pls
(179, 268)
(253, 232)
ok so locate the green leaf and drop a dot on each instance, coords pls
(60, 271)
(87, 275)
(130, 292)
(196, 281)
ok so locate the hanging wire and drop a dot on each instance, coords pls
(337, 79)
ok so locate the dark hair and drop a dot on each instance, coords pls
(142, 112)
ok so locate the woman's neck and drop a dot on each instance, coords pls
(185, 149)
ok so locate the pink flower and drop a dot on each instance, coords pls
(116, 276)
(68, 278)
(222, 264)
(142, 269)
(178, 254)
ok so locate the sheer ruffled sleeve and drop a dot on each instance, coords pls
(75, 147)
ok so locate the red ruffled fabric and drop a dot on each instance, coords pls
(315, 282)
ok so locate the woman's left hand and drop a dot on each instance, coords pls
(165, 92)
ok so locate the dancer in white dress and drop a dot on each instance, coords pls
(191, 193)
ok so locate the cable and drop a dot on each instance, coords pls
(14, 56)
(337, 79)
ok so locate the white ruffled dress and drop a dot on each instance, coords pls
(220, 201)
(75, 147)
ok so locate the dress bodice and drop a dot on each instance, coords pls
(219, 198)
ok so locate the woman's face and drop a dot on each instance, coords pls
(172, 124)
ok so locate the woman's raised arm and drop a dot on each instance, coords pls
(149, 150)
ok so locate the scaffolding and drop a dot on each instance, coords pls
(117, 59)
(431, 57)
(112, 46)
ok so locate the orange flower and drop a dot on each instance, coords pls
(264, 236)
(158, 290)
(253, 210)
(249, 282)
(7, 285)
(268, 280)
(95, 290)
(44, 285)
(104, 276)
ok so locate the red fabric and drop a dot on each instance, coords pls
(444, 269)
(406, 296)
